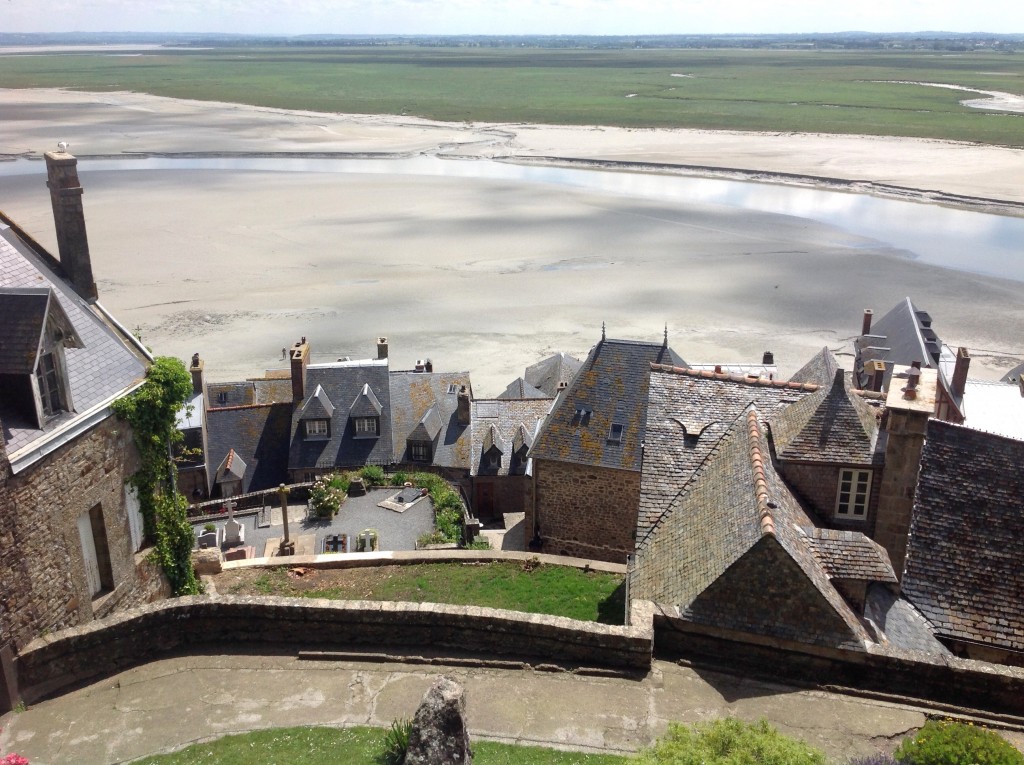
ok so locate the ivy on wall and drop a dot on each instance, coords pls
(152, 412)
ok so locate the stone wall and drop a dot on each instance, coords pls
(585, 511)
(509, 494)
(959, 683)
(818, 486)
(92, 651)
(43, 585)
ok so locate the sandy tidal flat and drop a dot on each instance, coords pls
(480, 274)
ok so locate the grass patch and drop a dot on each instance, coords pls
(353, 746)
(552, 590)
(802, 91)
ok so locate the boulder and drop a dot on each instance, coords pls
(207, 561)
(439, 735)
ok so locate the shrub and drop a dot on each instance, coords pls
(396, 742)
(399, 478)
(324, 498)
(373, 475)
(339, 481)
(945, 742)
(433, 538)
(729, 742)
(480, 543)
(209, 527)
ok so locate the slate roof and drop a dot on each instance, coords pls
(231, 468)
(519, 388)
(820, 370)
(731, 551)
(904, 335)
(611, 387)
(258, 434)
(902, 625)
(107, 364)
(342, 382)
(413, 396)
(317, 406)
(514, 421)
(850, 555)
(834, 426)
(688, 412)
(964, 567)
(546, 374)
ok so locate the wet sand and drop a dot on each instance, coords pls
(486, 275)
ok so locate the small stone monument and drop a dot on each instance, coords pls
(234, 532)
(439, 735)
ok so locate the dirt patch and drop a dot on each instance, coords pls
(345, 584)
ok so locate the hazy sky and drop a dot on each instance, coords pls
(510, 16)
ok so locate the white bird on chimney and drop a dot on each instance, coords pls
(63, 146)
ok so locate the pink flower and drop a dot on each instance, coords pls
(14, 759)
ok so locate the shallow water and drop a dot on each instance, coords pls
(963, 240)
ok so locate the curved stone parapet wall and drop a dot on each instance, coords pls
(98, 649)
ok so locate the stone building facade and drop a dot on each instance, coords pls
(585, 511)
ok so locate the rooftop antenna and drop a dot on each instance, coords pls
(666, 335)
(602, 331)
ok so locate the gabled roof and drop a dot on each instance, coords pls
(107, 364)
(519, 388)
(492, 440)
(428, 427)
(820, 370)
(610, 388)
(688, 412)
(365, 404)
(514, 422)
(835, 425)
(964, 570)
(343, 381)
(317, 406)
(731, 553)
(546, 374)
(258, 434)
(901, 337)
(231, 468)
(413, 395)
(24, 313)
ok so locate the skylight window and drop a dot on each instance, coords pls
(615, 433)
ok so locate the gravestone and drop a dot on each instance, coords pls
(439, 735)
(209, 539)
(234, 532)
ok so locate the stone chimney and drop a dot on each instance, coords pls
(299, 355)
(382, 347)
(876, 375)
(428, 366)
(865, 327)
(907, 411)
(768, 359)
(69, 220)
(462, 409)
(963, 364)
(196, 370)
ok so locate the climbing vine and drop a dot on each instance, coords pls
(152, 412)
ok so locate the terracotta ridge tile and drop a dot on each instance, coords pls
(230, 459)
(760, 481)
(708, 374)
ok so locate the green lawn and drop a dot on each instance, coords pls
(554, 590)
(801, 91)
(352, 746)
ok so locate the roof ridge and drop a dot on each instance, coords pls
(764, 510)
(245, 406)
(760, 382)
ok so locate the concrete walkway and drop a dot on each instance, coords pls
(168, 704)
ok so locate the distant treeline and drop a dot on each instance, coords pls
(949, 41)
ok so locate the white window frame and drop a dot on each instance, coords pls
(853, 494)
(366, 427)
(615, 433)
(317, 429)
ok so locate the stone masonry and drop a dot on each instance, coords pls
(592, 509)
(43, 585)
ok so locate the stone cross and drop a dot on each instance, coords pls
(231, 509)
(287, 547)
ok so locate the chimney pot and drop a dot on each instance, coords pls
(865, 328)
(718, 369)
(69, 221)
(382, 347)
(768, 359)
(429, 366)
(196, 370)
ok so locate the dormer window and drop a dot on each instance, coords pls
(51, 387)
(366, 427)
(317, 428)
(581, 416)
(419, 451)
(615, 433)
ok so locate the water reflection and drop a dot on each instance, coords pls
(957, 239)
